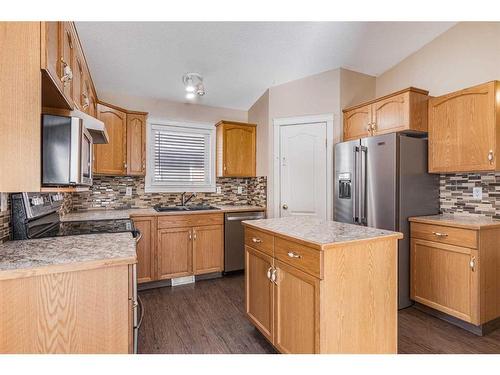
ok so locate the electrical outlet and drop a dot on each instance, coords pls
(477, 193)
(240, 190)
(218, 190)
(128, 191)
(3, 202)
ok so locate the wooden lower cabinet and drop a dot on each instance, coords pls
(296, 306)
(175, 257)
(87, 311)
(208, 249)
(259, 291)
(146, 254)
(349, 306)
(455, 268)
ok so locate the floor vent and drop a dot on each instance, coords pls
(182, 280)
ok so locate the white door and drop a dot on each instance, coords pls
(303, 163)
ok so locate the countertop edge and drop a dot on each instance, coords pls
(324, 246)
(453, 224)
(20, 273)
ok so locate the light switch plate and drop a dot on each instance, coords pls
(477, 193)
(128, 191)
(240, 190)
(218, 190)
(3, 202)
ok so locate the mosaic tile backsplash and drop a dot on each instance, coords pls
(109, 192)
(455, 194)
(5, 225)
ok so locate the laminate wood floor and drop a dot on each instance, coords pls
(208, 317)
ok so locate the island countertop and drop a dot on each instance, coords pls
(26, 258)
(320, 233)
(117, 214)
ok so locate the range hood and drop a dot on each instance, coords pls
(95, 127)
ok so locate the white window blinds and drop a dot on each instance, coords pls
(181, 158)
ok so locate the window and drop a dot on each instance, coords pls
(181, 157)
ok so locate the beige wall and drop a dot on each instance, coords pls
(165, 109)
(465, 55)
(259, 114)
(355, 88)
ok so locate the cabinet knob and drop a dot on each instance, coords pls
(490, 156)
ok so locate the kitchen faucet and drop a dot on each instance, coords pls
(184, 200)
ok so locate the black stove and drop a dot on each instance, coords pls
(35, 215)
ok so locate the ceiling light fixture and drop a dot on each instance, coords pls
(193, 84)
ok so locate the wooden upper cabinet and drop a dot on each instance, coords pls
(403, 110)
(357, 122)
(78, 80)
(464, 130)
(236, 149)
(136, 144)
(111, 158)
(66, 68)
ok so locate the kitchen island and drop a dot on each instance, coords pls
(314, 286)
(69, 294)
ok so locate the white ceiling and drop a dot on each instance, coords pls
(240, 60)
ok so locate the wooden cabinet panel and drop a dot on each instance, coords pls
(136, 144)
(449, 235)
(259, 291)
(111, 158)
(78, 80)
(463, 130)
(302, 257)
(444, 279)
(236, 149)
(208, 249)
(50, 54)
(189, 220)
(175, 256)
(357, 123)
(296, 304)
(146, 249)
(391, 114)
(260, 240)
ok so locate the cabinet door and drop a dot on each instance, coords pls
(175, 253)
(136, 144)
(208, 249)
(66, 61)
(296, 310)
(462, 130)
(51, 57)
(78, 80)
(445, 277)
(391, 114)
(357, 123)
(239, 150)
(146, 249)
(259, 291)
(111, 158)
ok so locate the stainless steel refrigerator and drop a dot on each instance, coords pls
(381, 181)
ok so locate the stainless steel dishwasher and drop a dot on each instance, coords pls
(234, 239)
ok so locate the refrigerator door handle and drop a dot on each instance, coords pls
(362, 205)
(354, 184)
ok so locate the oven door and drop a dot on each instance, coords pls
(86, 158)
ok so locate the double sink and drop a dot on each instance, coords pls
(197, 207)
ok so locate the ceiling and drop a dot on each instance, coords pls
(240, 60)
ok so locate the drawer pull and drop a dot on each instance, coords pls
(292, 254)
(439, 234)
(256, 240)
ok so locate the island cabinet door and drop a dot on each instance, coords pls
(175, 255)
(259, 291)
(296, 311)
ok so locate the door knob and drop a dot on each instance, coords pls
(285, 206)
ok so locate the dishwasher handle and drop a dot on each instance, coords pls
(241, 218)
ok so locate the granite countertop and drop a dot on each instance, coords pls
(458, 221)
(319, 232)
(27, 257)
(116, 214)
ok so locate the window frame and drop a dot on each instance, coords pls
(185, 126)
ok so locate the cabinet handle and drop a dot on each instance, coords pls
(67, 73)
(490, 156)
(190, 236)
(256, 240)
(292, 254)
(269, 272)
(439, 234)
(194, 235)
(374, 127)
(472, 264)
(225, 168)
(273, 276)
(86, 101)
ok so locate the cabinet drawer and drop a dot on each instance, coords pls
(259, 240)
(299, 256)
(189, 220)
(442, 234)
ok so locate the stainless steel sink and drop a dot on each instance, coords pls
(200, 208)
(197, 207)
